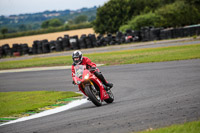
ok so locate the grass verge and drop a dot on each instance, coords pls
(189, 127)
(115, 58)
(14, 103)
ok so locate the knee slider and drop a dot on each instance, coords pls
(98, 74)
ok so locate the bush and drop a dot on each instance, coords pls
(51, 23)
(116, 13)
(149, 19)
(178, 14)
(123, 28)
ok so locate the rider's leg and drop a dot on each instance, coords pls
(101, 77)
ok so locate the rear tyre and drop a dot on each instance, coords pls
(111, 97)
(93, 94)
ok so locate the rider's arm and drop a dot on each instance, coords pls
(73, 71)
(90, 63)
(73, 74)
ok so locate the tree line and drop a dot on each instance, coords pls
(52, 25)
(120, 15)
(4, 31)
(45, 22)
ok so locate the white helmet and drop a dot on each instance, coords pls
(77, 54)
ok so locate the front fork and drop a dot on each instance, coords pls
(102, 92)
(88, 83)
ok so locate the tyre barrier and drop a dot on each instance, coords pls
(82, 41)
(120, 37)
(66, 43)
(25, 49)
(89, 41)
(59, 44)
(39, 47)
(101, 41)
(74, 42)
(93, 40)
(46, 47)
(52, 46)
(15, 47)
(6, 50)
(1, 54)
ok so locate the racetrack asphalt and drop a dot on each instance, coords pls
(148, 95)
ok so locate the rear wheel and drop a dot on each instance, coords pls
(111, 97)
(93, 94)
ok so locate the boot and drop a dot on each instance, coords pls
(110, 85)
(101, 77)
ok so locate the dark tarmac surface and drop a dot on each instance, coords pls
(148, 95)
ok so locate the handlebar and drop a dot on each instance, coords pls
(92, 69)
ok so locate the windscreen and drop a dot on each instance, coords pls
(79, 70)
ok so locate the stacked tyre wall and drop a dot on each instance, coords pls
(89, 41)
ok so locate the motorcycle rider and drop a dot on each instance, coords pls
(79, 59)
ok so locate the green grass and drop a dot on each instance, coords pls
(189, 127)
(13, 103)
(115, 58)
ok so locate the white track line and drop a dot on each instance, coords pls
(35, 69)
(39, 69)
(50, 112)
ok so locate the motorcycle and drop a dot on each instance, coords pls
(91, 86)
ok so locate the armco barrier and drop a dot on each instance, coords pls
(89, 41)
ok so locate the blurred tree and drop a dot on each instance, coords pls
(70, 22)
(4, 31)
(178, 14)
(195, 3)
(92, 18)
(149, 19)
(123, 28)
(80, 19)
(51, 23)
(55, 23)
(22, 27)
(112, 15)
(192, 2)
(45, 24)
(116, 13)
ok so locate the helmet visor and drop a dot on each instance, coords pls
(76, 60)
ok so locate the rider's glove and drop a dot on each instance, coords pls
(73, 82)
(92, 69)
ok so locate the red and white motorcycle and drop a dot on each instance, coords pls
(91, 86)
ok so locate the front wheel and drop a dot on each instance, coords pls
(111, 97)
(93, 94)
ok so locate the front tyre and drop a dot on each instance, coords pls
(111, 97)
(93, 94)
